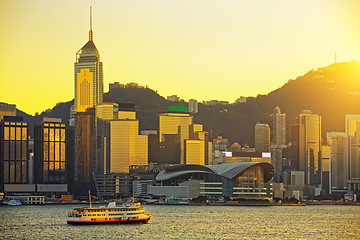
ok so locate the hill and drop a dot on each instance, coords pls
(331, 91)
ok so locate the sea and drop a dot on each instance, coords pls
(189, 222)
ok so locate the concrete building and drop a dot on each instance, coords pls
(221, 144)
(279, 127)
(193, 106)
(310, 147)
(262, 137)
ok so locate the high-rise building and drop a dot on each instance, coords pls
(193, 106)
(88, 93)
(54, 155)
(127, 147)
(262, 137)
(88, 76)
(310, 147)
(325, 168)
(352, 129)
(279, 127)
(7, 110)
(174, 123)
(14, 153)
(49, 146)
(338, 173)
(85, 148)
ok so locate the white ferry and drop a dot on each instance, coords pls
(126, 213)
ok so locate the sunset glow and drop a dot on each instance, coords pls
(203, 49)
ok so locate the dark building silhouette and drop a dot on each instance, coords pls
(53, 152)
(14, 153)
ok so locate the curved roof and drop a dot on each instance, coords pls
(227, 170)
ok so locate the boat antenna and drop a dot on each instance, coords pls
(90, 198)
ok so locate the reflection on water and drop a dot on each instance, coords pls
(189, 222)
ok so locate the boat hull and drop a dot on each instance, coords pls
(121, 221)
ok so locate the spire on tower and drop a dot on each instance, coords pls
(90, 32)
(335, 56)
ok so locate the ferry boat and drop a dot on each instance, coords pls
(127, 213)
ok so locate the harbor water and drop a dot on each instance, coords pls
(189, 222)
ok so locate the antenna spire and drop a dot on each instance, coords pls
(90, 32)
(335, 56)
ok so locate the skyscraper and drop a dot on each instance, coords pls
(310, 147)
(13, 151)
(262, 137)
(88, 93)
(338, 159)
(173, 129)
(352, 129)
(88, 75)
(49, 145)
(279, 127)
(126, 145)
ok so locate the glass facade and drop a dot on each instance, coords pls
(310, 147)
(250, 183)
(14, 152)
(353, 145)
(127, 147)
(53, 162)
(175, 123)
(195, 152)
(84, 145)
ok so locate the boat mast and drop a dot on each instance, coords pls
(90, 198)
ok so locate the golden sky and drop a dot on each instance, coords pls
(201, 49)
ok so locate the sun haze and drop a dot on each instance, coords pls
(201, 49)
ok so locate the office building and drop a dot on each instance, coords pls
(49, 146)
(352, 129)
(262, 137)
(14, 155)
(279, 127)
(88, 76)
(310, 147)
(88, 71)
(127, 147)
(7, 110)
(338, 160)
(325, 168)
(173, 129)
(53, 156)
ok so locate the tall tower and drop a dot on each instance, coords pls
(279, 127)
(88, 75)
(310, 147)
(88, 93)
(352, 129)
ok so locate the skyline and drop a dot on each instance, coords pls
(226, 49)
